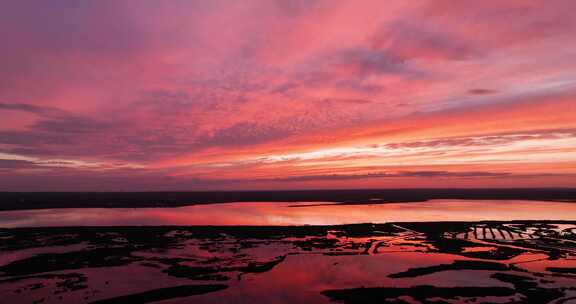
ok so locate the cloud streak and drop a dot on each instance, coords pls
(288, 91)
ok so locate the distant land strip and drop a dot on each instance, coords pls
(45, 200)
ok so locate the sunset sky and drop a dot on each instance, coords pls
(287, 94)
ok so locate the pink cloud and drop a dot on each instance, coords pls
(198, 82)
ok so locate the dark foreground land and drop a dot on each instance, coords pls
(43, 200)
(446, 262)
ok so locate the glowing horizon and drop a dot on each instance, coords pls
(222, 95)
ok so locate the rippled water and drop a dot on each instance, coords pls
(301, 213)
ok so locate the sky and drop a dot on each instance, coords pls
(103, 95)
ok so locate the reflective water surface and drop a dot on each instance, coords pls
(496, 262)
(276, 213)
(293, 253)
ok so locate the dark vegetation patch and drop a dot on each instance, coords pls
(164, 294)
(420, 293)
(456, 265)
(569, 270)
(530, 289)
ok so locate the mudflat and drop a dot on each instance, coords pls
(448, 262)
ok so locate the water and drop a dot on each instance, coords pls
(415, 259)
(301, 213)
(385, 263)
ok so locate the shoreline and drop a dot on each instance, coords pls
(55, 200)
